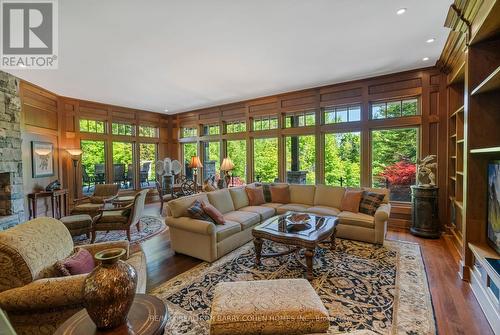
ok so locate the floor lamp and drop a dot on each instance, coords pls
(226, 167)
(195, 165)
(75, 157)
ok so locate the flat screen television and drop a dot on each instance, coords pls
(493, 226)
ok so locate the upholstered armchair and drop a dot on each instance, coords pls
(91, 205)
(122, 218)
(36, 299)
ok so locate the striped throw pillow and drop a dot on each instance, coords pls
(370, 202)
(196, 211)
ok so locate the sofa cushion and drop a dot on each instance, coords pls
(370, 202)
(323, 210)
(246, 219)
(264, 212)
(274, 205)
(280, 194)
(239, 196)
(302, 194)
(356, 219)
(351, 200)
(330, 196)
(292, 207)
(213, 213)
(224, 231)
(118, 216)
(178, 207)
(255, 196)
(196, 211)
(221, 200)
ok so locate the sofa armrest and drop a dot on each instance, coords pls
(191, 225)
(96, 247)
(382, 213)
(44, 294)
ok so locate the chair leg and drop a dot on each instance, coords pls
(128, 234)
(138, 225)
(161, 207)
(93, 236)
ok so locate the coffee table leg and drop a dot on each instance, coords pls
(332, 239)
(309, 262)
(258, 249)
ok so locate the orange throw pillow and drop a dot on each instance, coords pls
(214, 213)
(280, 194)
(351, 200)
(255, 196)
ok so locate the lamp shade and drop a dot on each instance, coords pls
(195, 163)
(42, 151)
(74, 152)
(227, 164)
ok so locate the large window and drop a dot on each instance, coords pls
(93, 164)
(211, 159)
(394, 109)
(122, 129)
(265, 122)
(394, 156)
(237, 151)
(301, 159)
(92, 126)
(236, 127)
(147, 156)
(300, 119)
(342, 114)
(265, 158)
(342, 159)
(123, 165)
(188, 150)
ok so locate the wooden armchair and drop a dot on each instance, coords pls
(164, 195)
(122, 218)
(103, 193)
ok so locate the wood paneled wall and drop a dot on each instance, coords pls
(428, 84)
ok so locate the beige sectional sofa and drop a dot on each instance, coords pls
(207, 241)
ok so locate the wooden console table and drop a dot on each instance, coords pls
(58, 202)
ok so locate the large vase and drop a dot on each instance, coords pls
(109, 289)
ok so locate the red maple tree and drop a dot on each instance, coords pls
(400, 173)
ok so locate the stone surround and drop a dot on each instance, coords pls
(11, 180)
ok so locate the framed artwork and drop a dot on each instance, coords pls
(42, 159)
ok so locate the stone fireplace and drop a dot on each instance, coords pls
(11, 172)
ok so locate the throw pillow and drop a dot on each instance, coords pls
(255, 196)
(351, 200)
(80, 262)
(280, 194)
(370, 202)
(196, 211)
(214, 213)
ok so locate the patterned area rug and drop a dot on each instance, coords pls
(367, 289)
(150, 226)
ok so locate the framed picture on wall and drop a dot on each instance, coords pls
(42, 159)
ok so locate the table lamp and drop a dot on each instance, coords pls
(75, 157)
(195, 165)
(226, 167)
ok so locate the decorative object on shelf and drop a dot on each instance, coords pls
(424, 209)
(53, 186)
(42, 159)
(195, 164)
(425, 173)
(226, 167)
(75, 157)
(109, 289)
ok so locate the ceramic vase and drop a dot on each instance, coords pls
(109, 289)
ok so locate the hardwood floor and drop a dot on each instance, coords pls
(456, 309)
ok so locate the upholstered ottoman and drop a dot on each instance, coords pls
(77, 224)
(284, 306)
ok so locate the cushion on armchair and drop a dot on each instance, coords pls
(80, 262)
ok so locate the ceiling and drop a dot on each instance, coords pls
(188, 54)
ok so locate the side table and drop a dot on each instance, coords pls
(58, 202)
(148, 316)
(425, 220)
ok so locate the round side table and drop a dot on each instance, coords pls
(123, 201)
(148, 316)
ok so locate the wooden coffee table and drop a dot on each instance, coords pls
(147, 316)
(275, 229)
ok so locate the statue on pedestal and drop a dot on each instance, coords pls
(425, 172)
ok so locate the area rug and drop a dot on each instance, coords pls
(150, 226)
(367, 289)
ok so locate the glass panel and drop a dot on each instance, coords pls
(394, 155)
(122, 129)
(341, 114)
(265, 156)
(329, 116)
(310, 119)
(211, 130)
(394, 109)
(354, 113)
(123, 165)
(342, 159)
(211, 159)
(188, 132)
(301, 159)
(147, 156)
(410, 107)
(378, 111)
(188, 150)
(273, 123)
(257, 125)
(237, 151)
(148, 131)
(93, 165)
(236, 127)
(92, 126)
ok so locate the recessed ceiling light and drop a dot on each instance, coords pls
(430, 40)
(166, 110)
(401, 11)
(425, 59)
